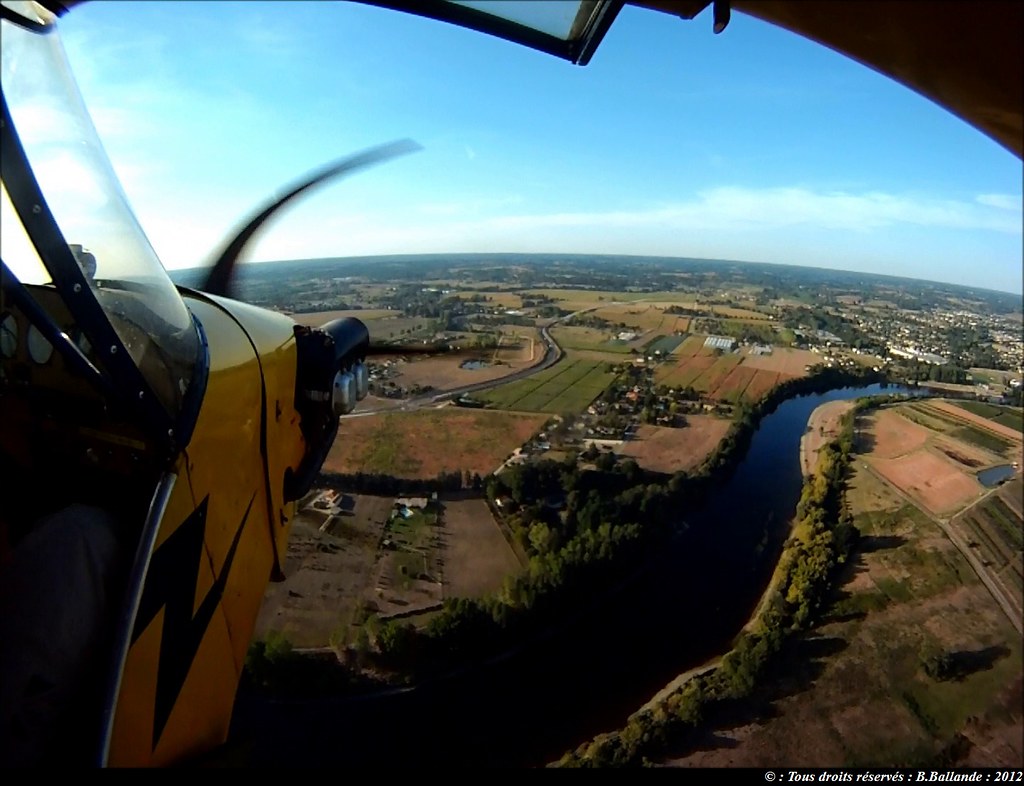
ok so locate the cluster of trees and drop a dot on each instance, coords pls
(590, 320)
(549, 311)
(820, 318)
(534, 299)
(688, 393)
(918, 371)
(383, 484)
(984, 356)
(603, 460)
(942, 666)
(487, 339)
(684, 310)
(339, 304)
(414, 300)
(272, 665)
(494, 320)
(946, 666)
(752, 332)
(580, 532)
(972, 345)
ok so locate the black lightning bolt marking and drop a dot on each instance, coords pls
(171, 585)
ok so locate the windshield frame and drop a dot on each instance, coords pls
(171, 433)
(593, 19)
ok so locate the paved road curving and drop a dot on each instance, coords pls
(553, 353)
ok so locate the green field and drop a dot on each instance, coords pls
(584, 338)
(1004, 416)
(423, 443)
(575, 299)
(664, 344)
(991, 376)
(929, 418)
(690, 347)
(1009, 523)
(936, 420)
(983, 439)
(568, 386)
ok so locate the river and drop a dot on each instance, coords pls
(528, 709)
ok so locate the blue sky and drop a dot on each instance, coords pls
(753, 145)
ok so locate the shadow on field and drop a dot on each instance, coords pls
(793, 670)
(846, 606)
(869, 544)
(967, 662)
(864, 442)
(799, 664)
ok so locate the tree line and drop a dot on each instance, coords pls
(821, 540)
(382, 484)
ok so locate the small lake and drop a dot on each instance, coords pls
(993, 476)
(474, 364)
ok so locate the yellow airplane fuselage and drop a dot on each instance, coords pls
(222, 536)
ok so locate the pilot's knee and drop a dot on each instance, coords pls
(58, 598)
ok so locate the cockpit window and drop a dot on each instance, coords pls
(73, 172)
(562, 20)
(571, 29)
(16, 249)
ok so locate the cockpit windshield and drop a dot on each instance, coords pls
(84, 196)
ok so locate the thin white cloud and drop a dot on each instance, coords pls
(1002, 201)
(469, 207)
(266, 36)
(730, 222)
(738, 209)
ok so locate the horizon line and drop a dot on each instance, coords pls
(719, 260)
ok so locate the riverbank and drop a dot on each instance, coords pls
(823, 426)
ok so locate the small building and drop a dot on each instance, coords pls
(326, 500)
(411, 502)
(720, 342)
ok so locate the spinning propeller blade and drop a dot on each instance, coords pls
(219, 279)
(218, 282)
